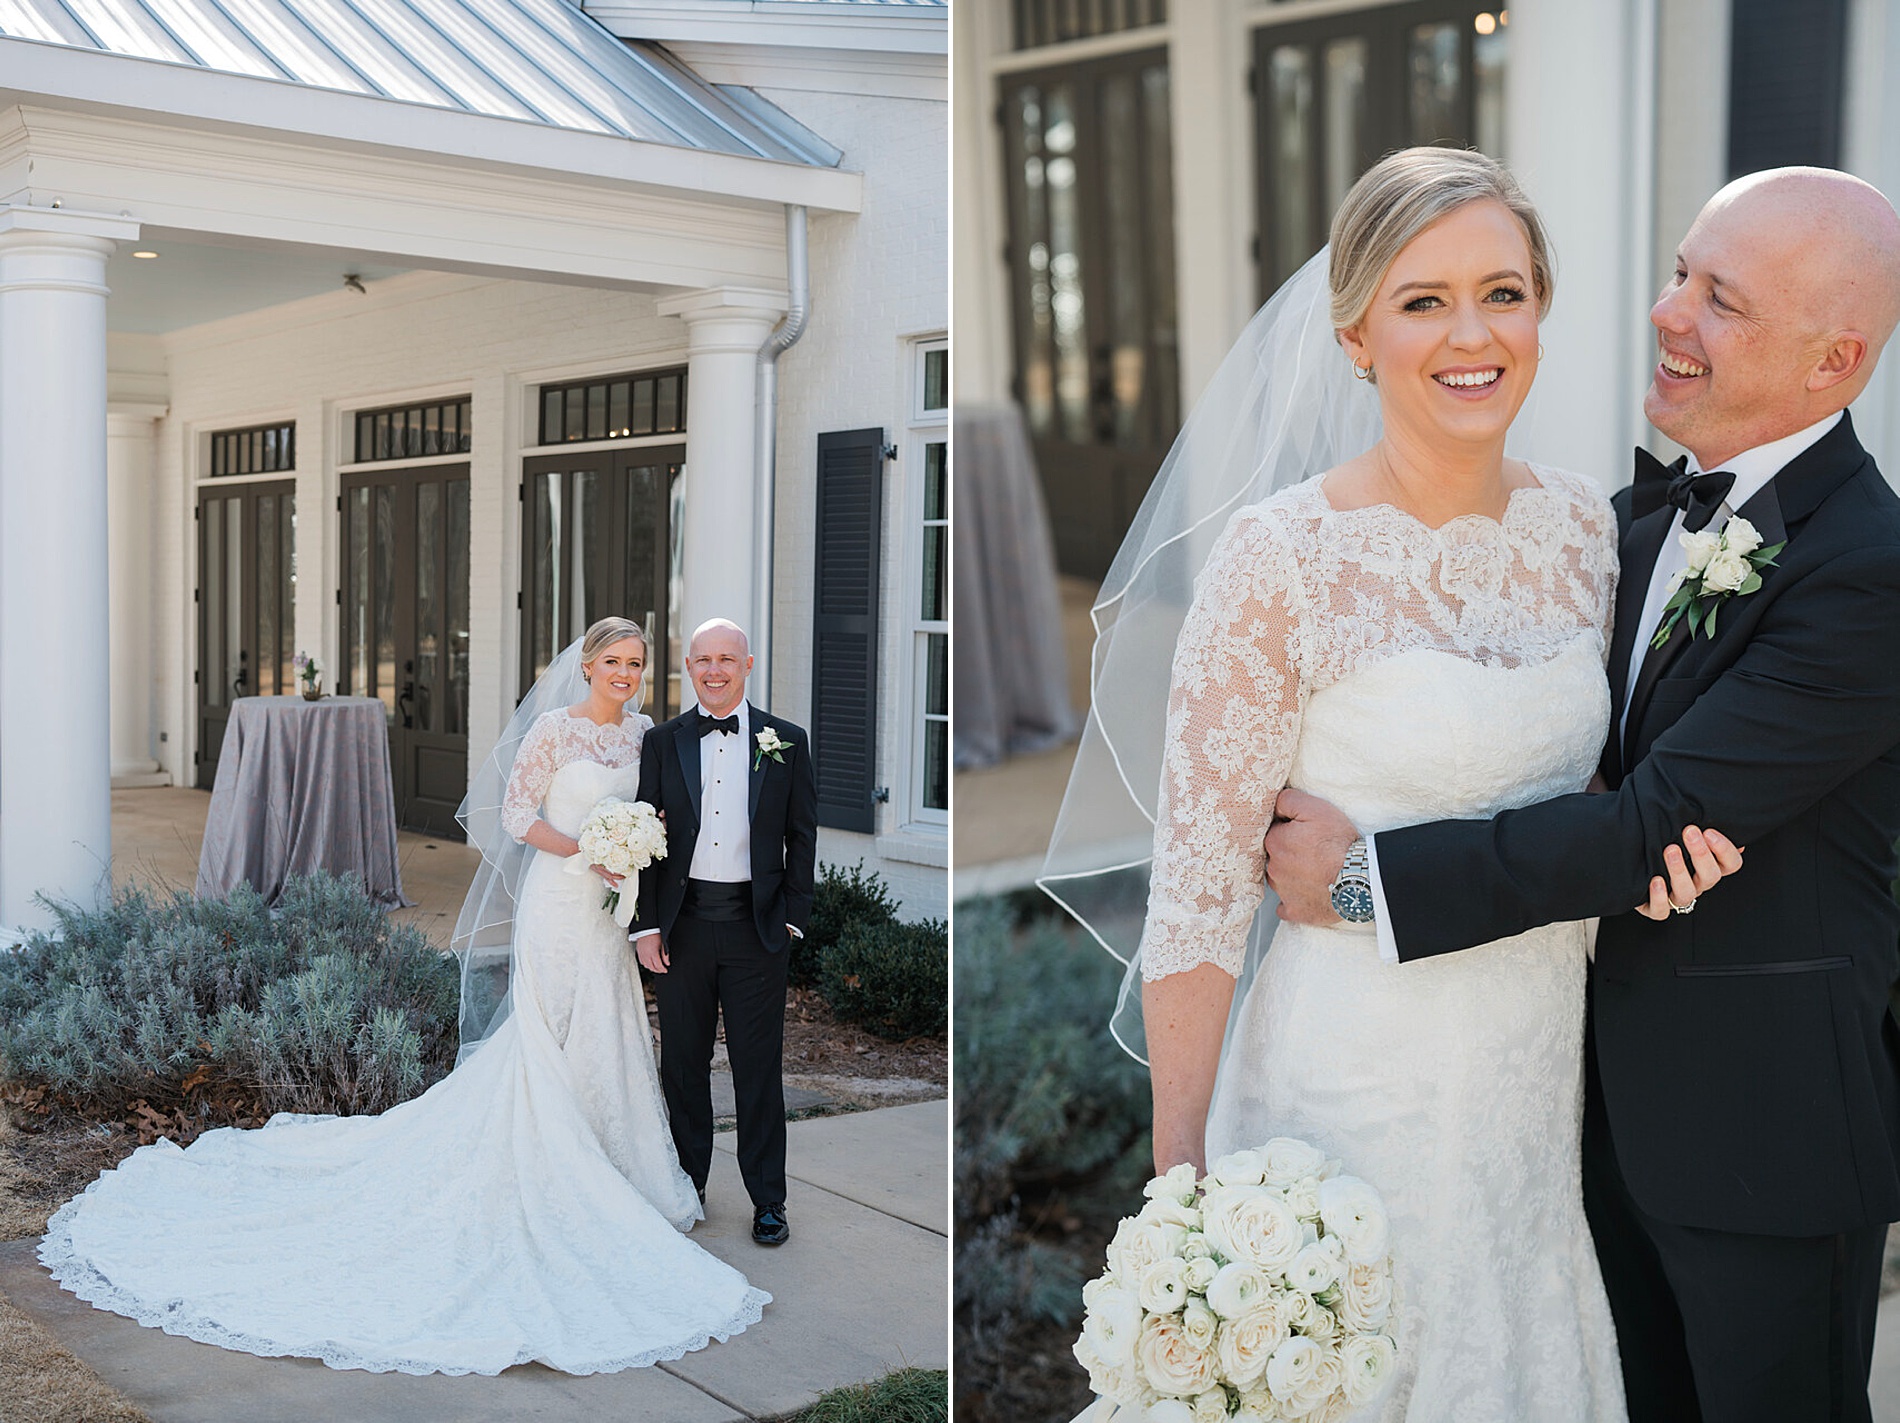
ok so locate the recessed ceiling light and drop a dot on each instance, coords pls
(145, 254)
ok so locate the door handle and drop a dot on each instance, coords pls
(408, 694)
(243, 675)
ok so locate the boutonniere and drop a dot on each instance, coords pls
(769, 745)
(1721, 566)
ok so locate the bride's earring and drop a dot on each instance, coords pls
(1362, 372)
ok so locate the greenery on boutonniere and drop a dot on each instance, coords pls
(1721, 566)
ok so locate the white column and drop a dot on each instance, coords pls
(725, 328)
(131, 462)
(55, 628)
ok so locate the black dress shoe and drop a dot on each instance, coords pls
(769, 1227)
(702, 1196)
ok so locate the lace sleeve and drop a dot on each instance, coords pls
(529, 778)
(1234, 708)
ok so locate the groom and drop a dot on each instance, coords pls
(1742, 1102)
(718, 913)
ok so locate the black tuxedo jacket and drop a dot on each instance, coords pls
(783, 797)
(1748, 1072)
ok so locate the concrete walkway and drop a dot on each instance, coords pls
(861, 1289)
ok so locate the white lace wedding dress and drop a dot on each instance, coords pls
(1408, 674)
(529, 1206)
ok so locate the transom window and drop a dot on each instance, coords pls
(614, 407)
(1040, 22)
(406, 432)
(256, 449)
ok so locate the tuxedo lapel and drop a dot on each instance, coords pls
(1642, 546)
(755, 777)
(686, 743)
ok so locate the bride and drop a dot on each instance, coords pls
(1391, 614)
(530, 1205)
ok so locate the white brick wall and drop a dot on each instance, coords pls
(878, 279)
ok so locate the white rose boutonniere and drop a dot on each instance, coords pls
(769, 745)
(1721, 566)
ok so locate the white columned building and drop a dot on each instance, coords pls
(725, 328)
(55, 636)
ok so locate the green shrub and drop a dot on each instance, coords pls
(840, 899)
(893, 978)
(907, 1396)
(319, 1006)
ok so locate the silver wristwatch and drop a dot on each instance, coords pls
(1352, 891)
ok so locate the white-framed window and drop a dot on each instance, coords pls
(927, 460)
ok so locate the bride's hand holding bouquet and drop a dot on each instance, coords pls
(619, 838)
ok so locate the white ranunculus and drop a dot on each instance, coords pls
(1701, 547)
(1258, 1405)
(1172, 1363)
(1303, 1196)
(1321, 1388)
(1317, 1321)
(1164, 1287)
(1365, 1297)
(1113, 1323)
(1200, 1272)
(1239, 1288)
(1166, 1211)
(1252, 1223)
(1211, 1406)
(1121, 1382)
(1195, 1247)
(1177, 1184)
(1285, 1160)
(1316, 1267)
(1352, 1210)
(1199, 1322)
(1367, 1360)
(1290, 1371)
(1138, 1244)
(1726, 572)
(1245, 1344)
(1239, 1168)
(1741, 536)
(1170, 1410)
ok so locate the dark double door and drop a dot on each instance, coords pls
(404, 600)
(597, 532)
(246, 602)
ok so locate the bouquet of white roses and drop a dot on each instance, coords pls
(1261, 1292)
(624, 836)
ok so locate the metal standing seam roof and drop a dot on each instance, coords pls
(538, 61)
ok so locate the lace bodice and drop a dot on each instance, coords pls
(556, 739)
(1300, 599)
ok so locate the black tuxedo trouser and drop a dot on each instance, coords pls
(722, 966)
(1716, 1327)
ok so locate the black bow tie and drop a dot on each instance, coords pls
(709, 724)
(1697, 495)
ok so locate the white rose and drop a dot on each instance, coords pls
(1200, 1271)
(1258, 1405)
(1303, 1196)
(1352, 1210)
(1674, 585)
(1327, 1380)
(1164, 1286)
(1195, 1247)
(1238, 1289)
(1365, 1297)
(1199, 1322)
(1137, 1245)
(1239, 1168)
(1701, 548)
(1168, 1212)
(1291, 1369)
(1210, 1407)
(1176, 1185)
(1285, 1160)
(1367, 1360)
(1170, 1410)
(1316, 1267)
(1170, 1361)
(1245, 1344)
(1317, 1321)
(1741, 536)
(1726, 572)
(1254, 1224)
(1121, 1382)
(1113, 1322)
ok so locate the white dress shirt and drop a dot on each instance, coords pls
(1753, 469)
(723, 851)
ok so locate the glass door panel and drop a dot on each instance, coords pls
(246, 603)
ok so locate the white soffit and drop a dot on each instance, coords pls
(536, 61)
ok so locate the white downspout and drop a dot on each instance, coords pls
(765, 465)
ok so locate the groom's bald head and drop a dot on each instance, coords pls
(1786, 290)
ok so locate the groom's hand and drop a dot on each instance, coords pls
(650, 949)
(1306, 847)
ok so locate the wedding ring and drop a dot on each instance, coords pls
(1688, 908)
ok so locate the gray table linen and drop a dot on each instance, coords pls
(1011, 679)
(302, 786)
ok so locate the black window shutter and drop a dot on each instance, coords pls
(844, 627)
(1786, 73)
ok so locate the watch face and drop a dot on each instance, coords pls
(1352, 901)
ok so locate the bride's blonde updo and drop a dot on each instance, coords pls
(1402, 195)
(605, 633)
